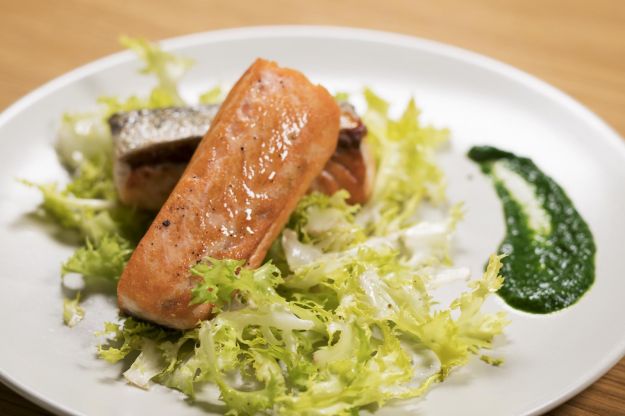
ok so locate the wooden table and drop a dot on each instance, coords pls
(576, 45)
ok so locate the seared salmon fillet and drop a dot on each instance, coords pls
(153, 147)
(352, 165)
(271, 137)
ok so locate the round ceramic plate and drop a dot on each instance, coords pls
(548, 358)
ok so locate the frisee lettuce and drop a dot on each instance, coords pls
(406, 171)
(87, 216)
(222, 279)
(167, 68)
(213, 96)
(83, 136)
(327, 222)
(105, 258)
(72, 311)
(341, 96)
(295, 354)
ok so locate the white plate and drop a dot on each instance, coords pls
(549, 358)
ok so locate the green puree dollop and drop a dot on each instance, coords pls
(550, 250)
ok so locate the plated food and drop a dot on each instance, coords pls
(300, 288)
(314, 303)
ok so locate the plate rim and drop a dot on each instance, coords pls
(510, 72)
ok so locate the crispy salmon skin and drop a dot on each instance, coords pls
(271, 137)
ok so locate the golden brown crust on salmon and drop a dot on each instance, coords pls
(352, 169)
(270, 139)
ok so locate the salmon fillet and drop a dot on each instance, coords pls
(271, 137)
(153, 147)
(352, 165)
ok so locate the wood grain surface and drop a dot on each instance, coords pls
(576, 45)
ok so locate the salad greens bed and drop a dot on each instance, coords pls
(339, 317)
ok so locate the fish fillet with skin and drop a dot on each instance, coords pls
(271, 137)
(153, 147)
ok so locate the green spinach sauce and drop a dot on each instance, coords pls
(550, 250)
